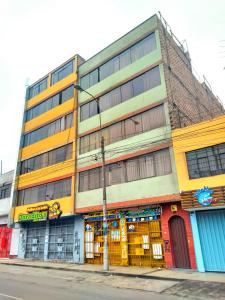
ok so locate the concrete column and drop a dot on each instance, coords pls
(22, 243)
(78, 249)
(197, 243)
(46, 241)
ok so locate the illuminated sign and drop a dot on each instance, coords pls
(204, 196)
(41, 213)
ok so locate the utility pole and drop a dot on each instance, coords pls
(105, 225)
(104, 196)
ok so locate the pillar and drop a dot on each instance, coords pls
(198, 249)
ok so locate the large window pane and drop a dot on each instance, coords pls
(115, 132)
(62, 72)
(162, 162)
(147, 167)
(67, 93)
(116, 173)
(84, 112)
(126, 91)
(109, 68)
(94, 140)
(94, 178)
(152, 79)
(83, 181)
(138, 85)
(125, 59)
(93, 108)
(132, 170)
(93, 77)
(84, 82)
(84, 144)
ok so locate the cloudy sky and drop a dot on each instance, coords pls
(38, 35)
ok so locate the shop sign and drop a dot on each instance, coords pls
(145, 214)
(123, 245)
(41, 213)
(204, 196)
(141, 214)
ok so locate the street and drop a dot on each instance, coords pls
(22, 283)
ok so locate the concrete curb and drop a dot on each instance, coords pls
(109, 273)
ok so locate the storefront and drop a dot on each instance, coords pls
(207, 214)
(46, 235)
(5, 240)
(134, 237)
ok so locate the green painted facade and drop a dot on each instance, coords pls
(121, 44)
(139, 189)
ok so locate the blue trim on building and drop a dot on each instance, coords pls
(197, 244)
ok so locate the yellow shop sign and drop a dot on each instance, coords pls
(41, 213)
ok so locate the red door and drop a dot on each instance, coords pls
(5, 239)
(179, 243)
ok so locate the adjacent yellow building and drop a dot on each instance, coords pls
(200, 161)
(44, 198)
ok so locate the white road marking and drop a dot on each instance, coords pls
(12, 297)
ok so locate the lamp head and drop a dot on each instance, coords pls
(78, 87)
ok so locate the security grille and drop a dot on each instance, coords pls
(35, 240)
(61, 240)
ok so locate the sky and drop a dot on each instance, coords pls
(36, 36)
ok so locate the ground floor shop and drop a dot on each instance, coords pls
(5, 240)
(207, 213)
(209, 237)
(60, 239)
(148, 236)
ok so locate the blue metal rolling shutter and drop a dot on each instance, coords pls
(211, 224)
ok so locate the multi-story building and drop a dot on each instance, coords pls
(133, 93)
(9, 238)
(43, 202)
(144, 86)
(200, 159)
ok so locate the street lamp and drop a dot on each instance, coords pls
(104, 202)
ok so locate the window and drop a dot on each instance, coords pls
(145, 166)
(120, 61)
(46, 159)
(206, 162)
(138, 85)
(37, 88)
(5, 190)
(48, 130)
(49, 191)
(50, 103)
(62, 72)
(148, 120)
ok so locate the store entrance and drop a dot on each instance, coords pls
(132, 241)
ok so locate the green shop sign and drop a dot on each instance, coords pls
(35, 216)
(41, 213)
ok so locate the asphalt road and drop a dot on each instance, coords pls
(21, 283)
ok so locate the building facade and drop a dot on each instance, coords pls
(132, 93)
(44, 198)
(144, 86)
(9, 238)
(200, 159)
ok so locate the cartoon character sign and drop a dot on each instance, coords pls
(204, 196)
(54, 211)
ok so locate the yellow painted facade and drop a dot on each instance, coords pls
(204, 134)
(60, 170)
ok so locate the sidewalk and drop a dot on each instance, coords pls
(140, 272)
